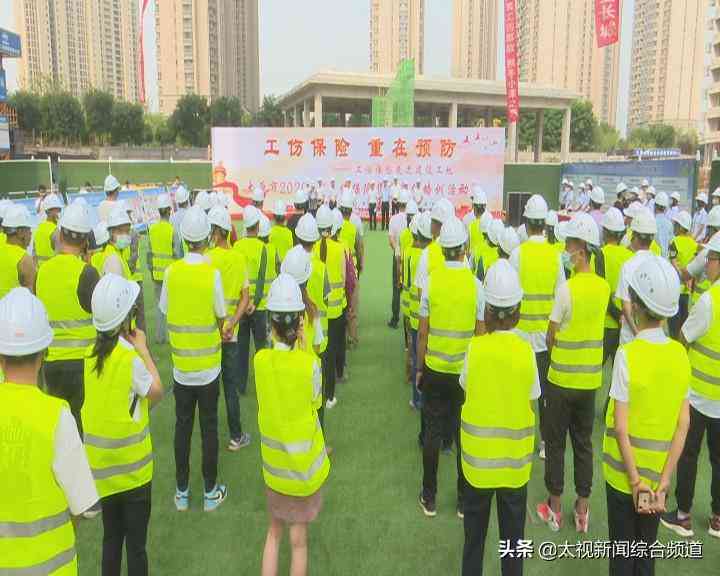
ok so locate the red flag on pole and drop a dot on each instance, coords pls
(142, 50)
(607, 22)
(511, 62)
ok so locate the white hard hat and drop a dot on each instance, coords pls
(452, 233)
(297, 263)
(536, 208)
(285, 295)
(478, 196)
(219, 216)
(644, 222)
(495, 229)
(716, 192)
(551, 219)
(561, 231)
(307, 229)
(163, 201)
(714, 243)
(502, 285)
(279, 207)
(251, 216)
(101, 234)
(52, 201)
(412, 208)
(651, 190)
(182, 195)
(258, 195)
(635, 190)
(588, 182)
(583, 227)
(620, 188)
(683, 218)
(565, 181)
(581, 186)
(702, 197)
(300, 197)
(337, 221)
(346, 199)
(75, 219)
(118, 216)
(403, 197)
(324, 217)
(485, 220)
(713, 217)
(202, 200)
(645, 183)
(111, 184)
(675, 196)
(509, 240)
(657, 284)
(24, 325)
(265, 226)
(613, 220)
(414, 224)
(632, 210)
(424, 225)
(195, 226)
(597, 195)
(662, 200)
(112, 300)
(17, 216)
(4, 205)
(439, 212)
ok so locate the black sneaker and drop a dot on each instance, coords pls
(460, 509)
(681, 527)
(428, 506)
(393, 324)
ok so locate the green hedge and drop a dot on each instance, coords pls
(23, 175)
(541, 179)
(74, 174)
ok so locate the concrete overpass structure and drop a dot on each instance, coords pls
(441, 102)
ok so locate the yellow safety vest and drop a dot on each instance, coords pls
(348, 236)
(282, 238)
(452, 295)
(436, 258)
(477, 239)
(233, 271)
(109, 250)
(411, 293)
(252, 248)
(57, 285)
(136, 276)
(318, 288)
(43, 241)
(406, 240)
(3, 238)
(615, 256)
(699, 288)
(538, 276)
(195, 340)
(118, 448)
(335, 266)
(10, 257)
(487, 256)
(659, 375)
(36, 533)
(704, 354)
(292, 445)
(497, 428)
(576, 360)
(686, 247)
(97, 259)
(161, 248)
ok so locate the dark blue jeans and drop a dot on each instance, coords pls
(231, 382)
(257, 323)
(416, 394)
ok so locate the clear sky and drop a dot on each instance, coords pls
(298, 38)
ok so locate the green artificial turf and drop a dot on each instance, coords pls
(371, 523)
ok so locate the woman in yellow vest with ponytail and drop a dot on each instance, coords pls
(289, 393)
(121, 382)
(497, 422)
(681, 251)
(647, 419)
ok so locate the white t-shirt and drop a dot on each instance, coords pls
(201, 377)
(70, 466)
(698, 323)
(537, 339)
(623, 293)
(113, 265)
(358, 223)
(696, 266)
(398, 223)
(480, 300)
(562, 307)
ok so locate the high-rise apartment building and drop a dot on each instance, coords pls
(711, 84)
(207, 47)
(475, 40)
(557, 47)
(397, 32)
(79, 44)
(667, 65)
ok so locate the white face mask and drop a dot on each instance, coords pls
(123, 241)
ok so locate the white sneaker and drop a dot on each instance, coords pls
(330, 403)
(541, 453)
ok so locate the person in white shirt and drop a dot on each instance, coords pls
(112, 192)
(385, 206)
(566, 195)
(398, 223)
(372, 206)
(191, 387)
(700, 217)
(674, 205)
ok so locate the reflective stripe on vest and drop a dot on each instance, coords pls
(659, 375)
(704, 354)
(35, 527)
(538, 265)
(497, 426)
(335, 269)
(160, 250)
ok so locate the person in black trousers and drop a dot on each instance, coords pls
(385, 208)
(372, 204)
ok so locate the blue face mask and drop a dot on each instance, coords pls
(567, 260)
(123, 241)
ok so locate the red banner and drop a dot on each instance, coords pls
(141, 73)
(607, 22)
(511, 62)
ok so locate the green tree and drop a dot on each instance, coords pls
(29, 111)
(128, 124)
(582, 127)
(606, 138)
(98, 114)
(190, 120)
(687, 141)
(269, 113)
(63, 118)
(663, 135)
(226, 112)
